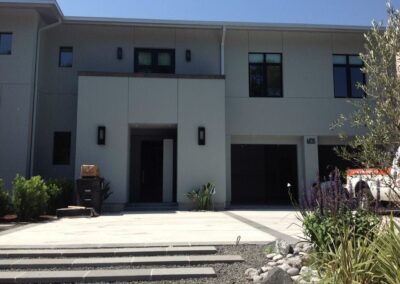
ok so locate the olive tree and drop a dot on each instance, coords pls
(377, 115)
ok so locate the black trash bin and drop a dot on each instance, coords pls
(89, 192)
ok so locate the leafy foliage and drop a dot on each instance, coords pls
(202, 197)
(4, 200)
(377, 115)
(61, 194)
(30, 196)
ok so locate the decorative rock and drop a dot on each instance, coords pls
(295, 262)
(296, 250)
(289, 255)
(305, 270)
(307, 248)
(250, 273)
(260, 278)
(277, 275)
(272, 263)
(284, 266)
(271, 255)
(277, 257)
(293, 271)
(296, 278)
(281, 261)
(266, 268)
(282, 247)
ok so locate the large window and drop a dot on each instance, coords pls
(347, 74)
(61, 148)
(5, 43)
(265, 74)
(65, 57)
(148, 60)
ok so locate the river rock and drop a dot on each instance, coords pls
(277, 257)
(283, 247)
(277, 276)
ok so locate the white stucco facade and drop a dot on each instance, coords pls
(102, 90)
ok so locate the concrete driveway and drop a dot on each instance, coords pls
(156, 228)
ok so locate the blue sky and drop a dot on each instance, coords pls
(325, 12)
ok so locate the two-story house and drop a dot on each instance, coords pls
(163, 107)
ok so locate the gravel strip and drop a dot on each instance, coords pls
(226, 273)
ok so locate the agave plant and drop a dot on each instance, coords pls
(202, 197)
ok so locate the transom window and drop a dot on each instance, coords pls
(265, 74)
(5, 43)
(66, 56)
(149, 60)
(347, 74)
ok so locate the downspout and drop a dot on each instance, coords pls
(223, 50)
(35, 94)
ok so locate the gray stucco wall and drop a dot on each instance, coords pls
(16, 91)
(113, 101)
(95, 50)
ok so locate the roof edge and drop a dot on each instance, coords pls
(211, 24)
(34, 3)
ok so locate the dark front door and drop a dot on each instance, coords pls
(151, 175)
(260, 174)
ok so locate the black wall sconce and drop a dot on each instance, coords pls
(201, 135)
(119, 53)
(101, 135)
(188, 55)
(311, 141)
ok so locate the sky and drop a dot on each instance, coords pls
(313, 12)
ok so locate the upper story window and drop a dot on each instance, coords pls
(65, 57)
(347, 74)
(5, 43)
(149, 60)
(265, 75)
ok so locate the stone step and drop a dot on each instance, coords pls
(48, 263)
(150, 251)
(100, 275)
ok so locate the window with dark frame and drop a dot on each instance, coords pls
(150, 60)
(265, 75)
(347, 74)
(61, 148)
(5, 43)
(65, 56)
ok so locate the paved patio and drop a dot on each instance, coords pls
(155, 228)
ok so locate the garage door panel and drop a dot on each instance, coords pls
(260, 173)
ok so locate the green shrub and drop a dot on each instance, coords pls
(323, 230)
(61, 194)
(29, 197)
(202, 197)
(4, 200)
(386, 249)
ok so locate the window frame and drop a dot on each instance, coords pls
(11, 34)
(55, 159)
(60, 50)
(266, 79)
(348, 67)
(156, 69)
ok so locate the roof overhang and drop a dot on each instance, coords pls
(48, 9)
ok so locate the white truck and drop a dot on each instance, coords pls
(378, 184)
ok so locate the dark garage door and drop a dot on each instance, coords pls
(328, 159)
(260, 173)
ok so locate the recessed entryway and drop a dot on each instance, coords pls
(260, 174)
(153, 165)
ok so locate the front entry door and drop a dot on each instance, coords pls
(151, 175)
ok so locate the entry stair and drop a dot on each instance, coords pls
(109, 264)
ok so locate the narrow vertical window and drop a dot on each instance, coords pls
(265, 75)
(61, 148)
(347, 75)
(5, 43)
(65, 57)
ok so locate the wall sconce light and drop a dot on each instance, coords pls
(311, 141)
(201, 135)
(188, 55)
(101, 135)
(119, 53)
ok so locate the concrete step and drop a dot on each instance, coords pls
(72, 276)
(48, 263)
(150, 251)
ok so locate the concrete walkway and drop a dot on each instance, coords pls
(156, 228)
